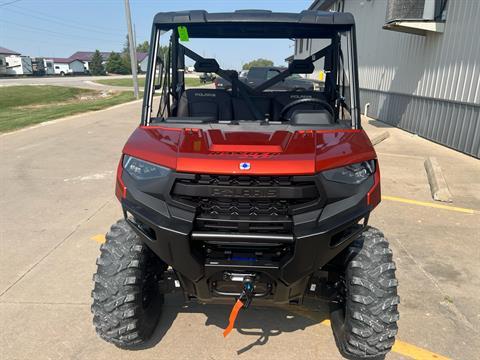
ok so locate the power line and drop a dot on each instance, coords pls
(44, 18)
(10, 2)
(69, 21)
(45, 42)
(61, 34)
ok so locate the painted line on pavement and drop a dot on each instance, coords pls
(100, 238)
(415, 352)
(430, 204)
(400, 347)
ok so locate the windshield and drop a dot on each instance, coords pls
(203, 80)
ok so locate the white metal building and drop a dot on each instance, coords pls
(67, 66)
(142, 59)
(49, 66)
(419, 65)
(18, 65)
(12, 63)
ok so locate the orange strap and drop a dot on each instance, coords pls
(233, 315)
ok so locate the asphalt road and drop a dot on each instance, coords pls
(57, 194)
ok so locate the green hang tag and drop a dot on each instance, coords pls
(183, 33)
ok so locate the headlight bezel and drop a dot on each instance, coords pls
(351, 174)
(142, 170)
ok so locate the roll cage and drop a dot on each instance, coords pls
(254, 24)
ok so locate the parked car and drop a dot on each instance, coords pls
(207, 77)
(221, 83)
(258, 75)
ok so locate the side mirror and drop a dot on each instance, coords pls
(206, 66)
(301, 67)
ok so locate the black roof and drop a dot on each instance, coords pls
(255, 23)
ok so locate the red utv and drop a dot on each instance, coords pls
(254, 195)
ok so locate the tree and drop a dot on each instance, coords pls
(143, 47)
(116, 64)
(163, 52)
(257, 63)
(126, 56)
(126, 63)
(96, 64)
(126, 46)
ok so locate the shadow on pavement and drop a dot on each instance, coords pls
(260, 321)
(379, 124)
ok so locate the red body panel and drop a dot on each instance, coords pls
(269, 153)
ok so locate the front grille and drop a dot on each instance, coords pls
(255, 204)
(243, 207)
(233, 180)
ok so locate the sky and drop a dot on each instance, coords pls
(58, 28)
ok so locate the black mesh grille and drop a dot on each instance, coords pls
(243, 207)
(245, 203)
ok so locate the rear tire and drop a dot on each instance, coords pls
(365, 322)
(126, 295)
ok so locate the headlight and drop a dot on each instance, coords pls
(351, 174)
(143, 170)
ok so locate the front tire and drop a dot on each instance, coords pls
(364, 321)
(126, 295)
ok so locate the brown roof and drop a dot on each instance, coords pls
(87, 55)
(63, 60)
(5, 51)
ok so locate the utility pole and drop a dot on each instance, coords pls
(135, 37)
(133, 50)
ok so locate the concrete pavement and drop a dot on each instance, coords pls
(57, 185)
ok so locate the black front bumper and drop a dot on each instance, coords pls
(168, 227)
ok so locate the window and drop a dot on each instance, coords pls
(57, 67)
(256, 73)
(328, 83)
(272, 73)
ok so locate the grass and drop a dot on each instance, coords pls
(189, 82)
(22, 106)
(122, 82)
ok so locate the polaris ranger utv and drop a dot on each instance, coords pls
(250, 195)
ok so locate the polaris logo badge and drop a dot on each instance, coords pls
(300, 96)
(244, 166)
(253, 193)
(205, 94)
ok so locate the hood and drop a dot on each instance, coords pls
(276, 152)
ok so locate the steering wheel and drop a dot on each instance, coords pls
(306, 101)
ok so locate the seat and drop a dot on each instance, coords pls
(206, 103)
(312, 117)
(282, 99)
(241, 111)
